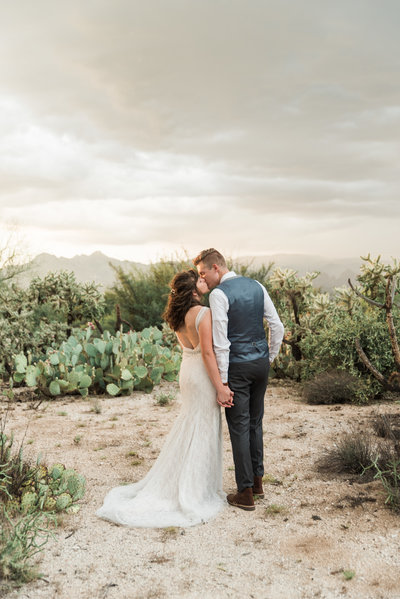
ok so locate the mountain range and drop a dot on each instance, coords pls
(98, 267)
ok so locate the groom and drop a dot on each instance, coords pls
(238, 306)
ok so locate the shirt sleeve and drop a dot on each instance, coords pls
(219, 305)
(276, 329)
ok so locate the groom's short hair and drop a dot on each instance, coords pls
(210, 257)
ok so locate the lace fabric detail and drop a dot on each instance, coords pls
(184, 486)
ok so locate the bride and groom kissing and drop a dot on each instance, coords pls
(225, 362)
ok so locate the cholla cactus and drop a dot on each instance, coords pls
(296, 300)
(13, 507)
(381, 285)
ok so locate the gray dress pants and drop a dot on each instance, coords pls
(248, 381)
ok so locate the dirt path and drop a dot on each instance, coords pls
(318, 528)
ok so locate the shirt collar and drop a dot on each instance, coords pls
(228, 275)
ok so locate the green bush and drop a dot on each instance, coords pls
(62, 297)
(41, 316)
(142, 295)
(333, 347)
(302, 309)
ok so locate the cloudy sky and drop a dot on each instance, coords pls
(141, 128)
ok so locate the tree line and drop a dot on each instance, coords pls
(354, 329)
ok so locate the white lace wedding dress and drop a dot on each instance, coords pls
(184, 486)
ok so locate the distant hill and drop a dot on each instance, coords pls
(334, 272)
(96, 267)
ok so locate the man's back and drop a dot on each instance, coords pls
(245, 319)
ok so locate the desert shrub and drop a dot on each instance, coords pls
(386, 426)
(25, 487)
(20, 540)
(354, 452)
(62, 297)
(30, 497)
(11, 255)
(335, 386)
(142, 294)
(41, 316)
(389, 475)
(164, 399)
(22, 330)
(324, 332)
(298, 304)
(362, 453)
(380, 288)
(333, 347)
(261, 273)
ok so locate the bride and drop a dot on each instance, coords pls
(184, 486)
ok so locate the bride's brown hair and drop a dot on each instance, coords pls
(181, 298)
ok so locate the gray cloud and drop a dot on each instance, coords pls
(251, 110)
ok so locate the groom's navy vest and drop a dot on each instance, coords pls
(245, 319)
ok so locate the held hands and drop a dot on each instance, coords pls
(225, 397)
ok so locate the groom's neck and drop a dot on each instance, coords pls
(222, 272)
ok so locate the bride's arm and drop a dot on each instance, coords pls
(224, 394)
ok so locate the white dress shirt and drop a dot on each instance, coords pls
(219, 305)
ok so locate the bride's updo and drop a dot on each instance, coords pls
(181, 298)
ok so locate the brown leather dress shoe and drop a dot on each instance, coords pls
(244, 499)
(258, 488)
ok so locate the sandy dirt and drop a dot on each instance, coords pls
(318, 527)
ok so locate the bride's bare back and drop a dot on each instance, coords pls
(188, 335)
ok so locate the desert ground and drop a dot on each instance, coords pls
(312, 536)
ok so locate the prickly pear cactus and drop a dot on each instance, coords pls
(111, 364)
(76, 486)
(28, 501)
(41, 474)
(26, 489)
(49, 489)
(63, 501)
(56, 471)
(50, 504)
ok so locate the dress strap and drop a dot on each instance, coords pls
(200, 317)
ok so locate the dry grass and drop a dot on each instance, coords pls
(387, 426)
(353, 453)
(336, 386)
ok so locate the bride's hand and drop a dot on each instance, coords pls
(225, 397)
